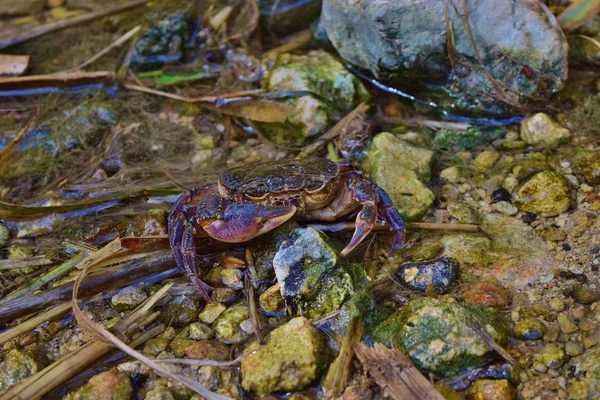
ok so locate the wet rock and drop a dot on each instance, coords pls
(227, 325)
(500, 195)
(440, 274)
(16, 366)
(310, 277)
(155, 346)
(463, 212)
(208, 350)
(584, 294)
(486, 294)
(467, 140)
(266, 249)
(180, 310)
(152, 222)
(491, 389)
(224, 295)
(167, 39)
(554, 234)
(546, 193)
(128, 299)
(541, 130)
(437, 336)
(108, 385)
(271, 301)
(211, 312)
(12, 8)
(232, 278)
(405, 44)
(530, 329)
(288, 16)
(317, 72)
(282, 365)
(573, 348)
(552, 356)
(486, 160)
(587, 165)
(402, 180)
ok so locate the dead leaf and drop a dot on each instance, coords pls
(13, 65)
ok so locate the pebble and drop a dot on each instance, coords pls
(485, 160)
(552, 356)
(208, 349)
(584, 294)
(573, 348)
(530, 329)
(566, 324)
(487, 294)
(491, 389)
(200, 331)
(499, 195)
(556, 304)
(504, 207)
(450, 174)
(211, 312)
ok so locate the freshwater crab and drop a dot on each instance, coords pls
(251, 200)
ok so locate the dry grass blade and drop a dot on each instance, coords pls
(395, 373)
(59, 79)
(101, 333)
(9, 148)
(13, 65)
(33, 323)
(34, 261)
(67, 23)
(334, 131)
(200, 363)
(119, 42)
(428, 226)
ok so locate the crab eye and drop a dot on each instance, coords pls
(257, 191)
(312, 184)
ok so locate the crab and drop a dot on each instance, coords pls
(252, 200)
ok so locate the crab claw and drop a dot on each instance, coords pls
(365, 221)
(240, 222)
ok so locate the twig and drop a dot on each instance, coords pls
(191, 361)
(292, 43)
(428, 123)
(34, 322)
(251, 298)
(57, 272)
(16, 263)
(111, 46)
(395, 373)
(202, 99)
(67, 23)
(70, 78)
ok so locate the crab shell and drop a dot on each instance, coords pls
(307, 185)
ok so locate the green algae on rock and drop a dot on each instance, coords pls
(16, 366)
(585, 381)
(530, 329)
(227, 325)
(310, 277)
(128, 299)
(108, 385)
(463, 212)
(541, 130)
(336, 90)
(439, 336)
(547, 193)
(401, 169)
(282, 365)
(467, 140)
(181, 310)
(587, 165)
(440, 274)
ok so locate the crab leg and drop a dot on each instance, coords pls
(181, 237)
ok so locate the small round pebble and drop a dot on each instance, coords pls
(566, 323)
(584, 294)
(499, 195)
(556, 304)
(504, 207)
(573, 348)
(552, 356)
(530, 329)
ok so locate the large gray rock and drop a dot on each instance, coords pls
(405, 43)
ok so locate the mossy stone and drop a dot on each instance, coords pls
(546, 193)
